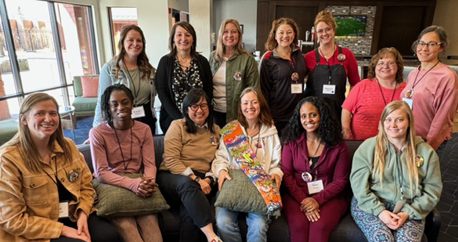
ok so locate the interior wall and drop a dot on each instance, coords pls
(182, 5)
(152, 18)
(446, 17)
(244, 11)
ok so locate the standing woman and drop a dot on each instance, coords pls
(45, 183)
(185, 173)
(260, 140)
(233, 70)
(395, 178)
(282, 71)
(122, 146)
(362, 108)
(130, 67)
(432, 89)
(316, 166)
(179, 71)
(330, 65)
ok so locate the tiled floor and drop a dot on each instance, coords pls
(448, 204)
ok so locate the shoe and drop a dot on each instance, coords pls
(216, 239)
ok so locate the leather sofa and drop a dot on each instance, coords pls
(347, 230)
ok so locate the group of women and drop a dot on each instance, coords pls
(233, 116)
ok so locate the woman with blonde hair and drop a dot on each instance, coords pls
(233, 69)
(130, 67)
(363, 105)
(282, 71)
(45, 184)
(330, 65)
(395, 178)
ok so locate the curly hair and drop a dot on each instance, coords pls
(383, 53)
(146, 69)
(105, 100)
(329, 130)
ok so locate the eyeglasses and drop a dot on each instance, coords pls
(390, 63)
(320, 31)
(195, 107)
(430, 44)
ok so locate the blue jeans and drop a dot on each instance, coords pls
(228, 226)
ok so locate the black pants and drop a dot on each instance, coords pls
(220, 118)
(149, 118)
(195, 210)
(100, 230)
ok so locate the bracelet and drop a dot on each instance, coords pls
(197, 179)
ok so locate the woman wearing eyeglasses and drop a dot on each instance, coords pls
(432, 89)
(362, 108)
(316, 167)
(330, 65)
(185, 173)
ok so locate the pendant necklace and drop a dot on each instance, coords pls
(409, 92)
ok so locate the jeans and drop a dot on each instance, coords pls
(228, 227)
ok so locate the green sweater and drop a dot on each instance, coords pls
(371, 194)
(248, 68)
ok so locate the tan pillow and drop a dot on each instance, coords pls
(117, 201)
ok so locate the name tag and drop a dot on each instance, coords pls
(408, 101)
(296, 88)
(63, 210)
(329, 89)
(138, 112)
(315, 186)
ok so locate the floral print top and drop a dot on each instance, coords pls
(185, 80)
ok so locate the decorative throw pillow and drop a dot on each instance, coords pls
(117, 201)
(90, 85)
(240, 194)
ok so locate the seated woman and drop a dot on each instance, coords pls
(45, 184)
(124, 146)
(185, 176)
(316, 166)
(257, 131)
(362, 108)
(395, 179)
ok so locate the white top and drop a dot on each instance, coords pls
(219, 88)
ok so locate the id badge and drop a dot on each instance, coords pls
(63, 210)
(315, 186)
(398, 206)
(329, 89)
(296, 88)
(138, 112)
(408, 101)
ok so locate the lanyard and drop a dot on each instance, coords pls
(415, 82)
(381, 92)
(124, 161)
(55, 172)
(133, 85)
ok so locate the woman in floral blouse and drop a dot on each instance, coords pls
(179, 71)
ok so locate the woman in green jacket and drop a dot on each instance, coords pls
(395, 179)
(233, 70)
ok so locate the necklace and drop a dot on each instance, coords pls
(331, 53)
(409, 93)
(314, 154)
(381, 92)
(124, 161)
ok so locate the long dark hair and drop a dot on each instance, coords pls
(105, 105)
(193, 97)
(264, 112)
(329, 130)
(188, 27)
(146, 69)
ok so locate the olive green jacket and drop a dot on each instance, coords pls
(241, 72)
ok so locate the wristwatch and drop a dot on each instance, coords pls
(197, 179)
